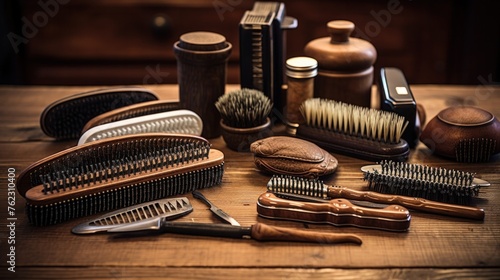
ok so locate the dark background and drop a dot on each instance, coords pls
(89, 42)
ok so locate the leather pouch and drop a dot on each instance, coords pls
(292, 156)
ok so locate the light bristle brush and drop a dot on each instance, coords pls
(356, 131)
(115, 173)
(65, 118)
(132, 111)
(316, 188)
(178, 122)
(434, 183)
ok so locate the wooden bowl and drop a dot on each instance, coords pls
(463, 133)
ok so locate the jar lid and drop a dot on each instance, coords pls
(301, 67)
(340, 52)
(202, 41)
(465, 116)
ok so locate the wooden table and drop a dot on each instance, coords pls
(435, 246)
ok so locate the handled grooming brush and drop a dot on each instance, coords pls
(65, 118)
(132, 111)
(316, 188)
(178, 122)
(144, 213)
(356, 131)
(115, 173)
(438, 184)
(338, 212)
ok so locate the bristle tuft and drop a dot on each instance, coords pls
(438, 184)
(353, 120)
(475, 150)
(297, 185)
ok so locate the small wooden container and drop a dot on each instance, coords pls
(345, 65)
(201, 65)
(463, 133)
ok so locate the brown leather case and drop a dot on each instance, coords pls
(292, 156)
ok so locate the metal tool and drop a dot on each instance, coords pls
(216, 210)
(141, 215)
(258, 231)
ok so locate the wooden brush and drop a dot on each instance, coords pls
(65, 118)
(353, 130)
(316, 188)
(117, 172)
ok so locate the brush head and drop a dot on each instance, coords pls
(177, 122)
(298, 185)
(415, 180)
(132, 111)
(244, 108)
(65, 118)
(117, 172)
(353, 130)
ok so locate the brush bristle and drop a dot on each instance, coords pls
(297, 185)
(475, 150)
(179, 121)
(65, 118)
(244, 108)
(116, 173)
(353, 120)
(438, 184)
(132, 111)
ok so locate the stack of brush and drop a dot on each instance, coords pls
(133, 148)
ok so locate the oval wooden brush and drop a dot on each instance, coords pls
(65, 118)
(115, 173)
(353, 130)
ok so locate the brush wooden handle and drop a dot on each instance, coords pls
(409, 202)
(339, 212)
(263, 232)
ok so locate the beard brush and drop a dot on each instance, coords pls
(316, 188)
(116, 173)
(438, 184)
(132, 111)
(178, 122)
(65, 118)
(352, 130)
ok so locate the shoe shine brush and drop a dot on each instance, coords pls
(354, 130)
(117, 172)
(316, 188)
(65, 118)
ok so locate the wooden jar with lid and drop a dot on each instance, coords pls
(345, 65)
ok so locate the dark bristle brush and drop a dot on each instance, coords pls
(434, 183)
(65, 118)
(117, 172)
(352, 130)
(316, 188)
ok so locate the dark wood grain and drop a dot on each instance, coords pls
(433, 247)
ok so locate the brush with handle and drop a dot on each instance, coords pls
(282, 183)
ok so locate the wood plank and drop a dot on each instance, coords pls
(444, 246)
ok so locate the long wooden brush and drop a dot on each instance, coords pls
(353, 130)
(117, 172)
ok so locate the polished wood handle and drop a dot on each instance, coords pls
(337, 206)
(409, 202)
(263, 232)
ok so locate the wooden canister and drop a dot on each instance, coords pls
(345, 65)
(201, 65)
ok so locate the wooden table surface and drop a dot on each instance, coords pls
(434, 246)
